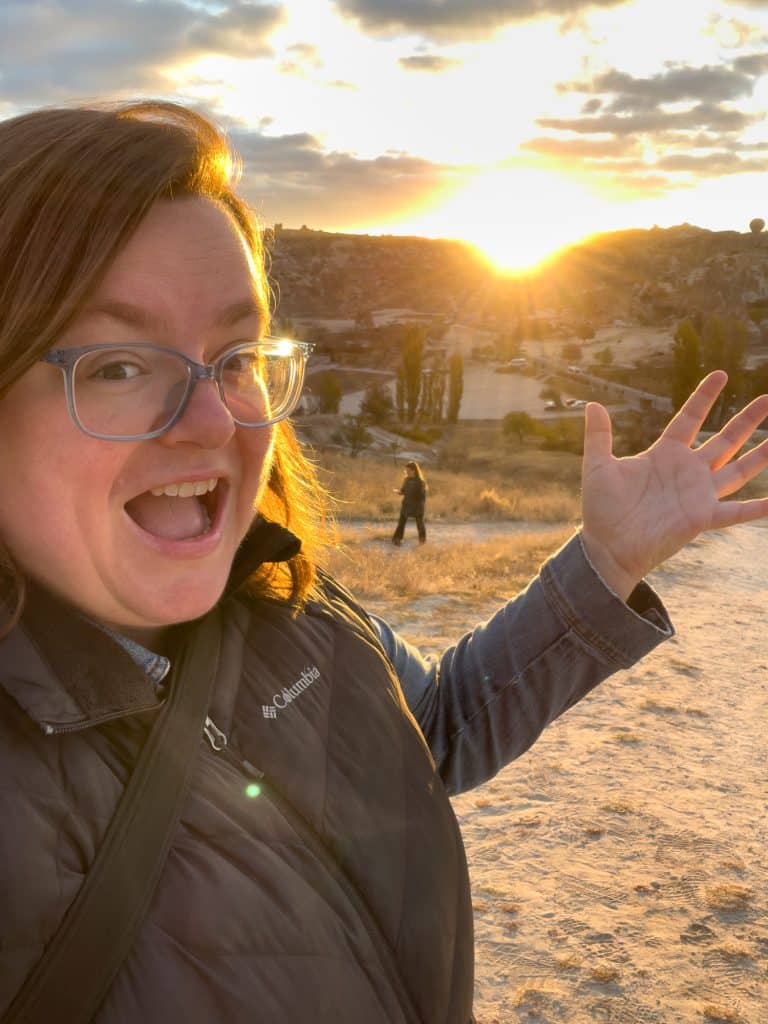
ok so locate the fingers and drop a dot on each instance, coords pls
(687, 422)
(735, 474)
(729, 513)
(598, 437)
(723, 446)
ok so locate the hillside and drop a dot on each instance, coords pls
(643, 276)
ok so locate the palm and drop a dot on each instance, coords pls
(640, 510)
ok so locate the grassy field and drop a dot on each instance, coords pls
(433, 593)
(432, 590)
(526, 485)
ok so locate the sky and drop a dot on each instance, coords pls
(517, 125)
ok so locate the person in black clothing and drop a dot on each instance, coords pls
(414, 492)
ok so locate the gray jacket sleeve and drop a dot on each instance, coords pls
(484, 701)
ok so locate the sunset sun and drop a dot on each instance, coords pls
(517, 217)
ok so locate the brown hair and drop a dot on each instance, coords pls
(416, 468)
(75, 184)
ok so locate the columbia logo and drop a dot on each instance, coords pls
(288, 694)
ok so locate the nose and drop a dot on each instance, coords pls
(205, 422)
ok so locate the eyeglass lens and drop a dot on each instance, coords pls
(132, 391)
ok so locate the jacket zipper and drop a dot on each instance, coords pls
(220, 745)
(55, 730)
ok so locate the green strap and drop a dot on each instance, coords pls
(79, 964)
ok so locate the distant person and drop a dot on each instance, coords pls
(204, 738)
(413, 505)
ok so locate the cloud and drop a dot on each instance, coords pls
(292, 180)
(755, 64)
(456, 19)
(301, 58)
(711, 165)
(703, 115)
(731, 33)
(685, 115)
(677, 84)
(585, 149)
(428, 62)
(56, 50)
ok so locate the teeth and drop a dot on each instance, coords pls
(186, 488)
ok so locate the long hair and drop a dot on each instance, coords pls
(416, 469)
(75, 184)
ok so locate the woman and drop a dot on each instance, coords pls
(152, 488)
(414, 492)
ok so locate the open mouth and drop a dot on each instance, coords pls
(186, 510)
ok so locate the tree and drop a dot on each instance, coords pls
(758, 381)
(585, 331)
(400, 393)
(328, 391)
(723, 347)
(411, 351)
(571, 351)
(377, 405)
(509, 346)
(551, 394)
(604, 356)
(395, 447)
(519, 423)
(686, 362)
(355, 435)
(432, 392)
(455, 386)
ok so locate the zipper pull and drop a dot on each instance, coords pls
(214, 735)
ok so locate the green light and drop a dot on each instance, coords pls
(252, 790)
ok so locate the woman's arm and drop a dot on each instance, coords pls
(487, 699)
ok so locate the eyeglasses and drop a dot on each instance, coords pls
(138, 391)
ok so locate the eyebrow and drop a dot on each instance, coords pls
(143, 319)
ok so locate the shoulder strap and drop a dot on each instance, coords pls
(80, 962)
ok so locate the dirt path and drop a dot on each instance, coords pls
(619, 869)
(439, 532)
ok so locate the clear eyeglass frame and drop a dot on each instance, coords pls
(67, 359)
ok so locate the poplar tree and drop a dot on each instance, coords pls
(411, 351)
(686, 362)
(455, 386)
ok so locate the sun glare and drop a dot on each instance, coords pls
(519, 217)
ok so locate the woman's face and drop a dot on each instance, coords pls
(77, 513)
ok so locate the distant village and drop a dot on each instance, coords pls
(412, 334)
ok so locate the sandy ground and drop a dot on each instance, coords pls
(619, 868)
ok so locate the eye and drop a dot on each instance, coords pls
(245, 366)
(118, 369)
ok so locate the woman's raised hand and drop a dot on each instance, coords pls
(638, 511)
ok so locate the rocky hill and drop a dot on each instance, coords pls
(644, 276)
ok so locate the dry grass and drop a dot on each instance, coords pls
(723, 1014)
(364, 489)
(603, 973)
(617, 807)
(510, 908)
(568, 962)
(727, 896)
(627, 737)
(732, 950)
(491, 569)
